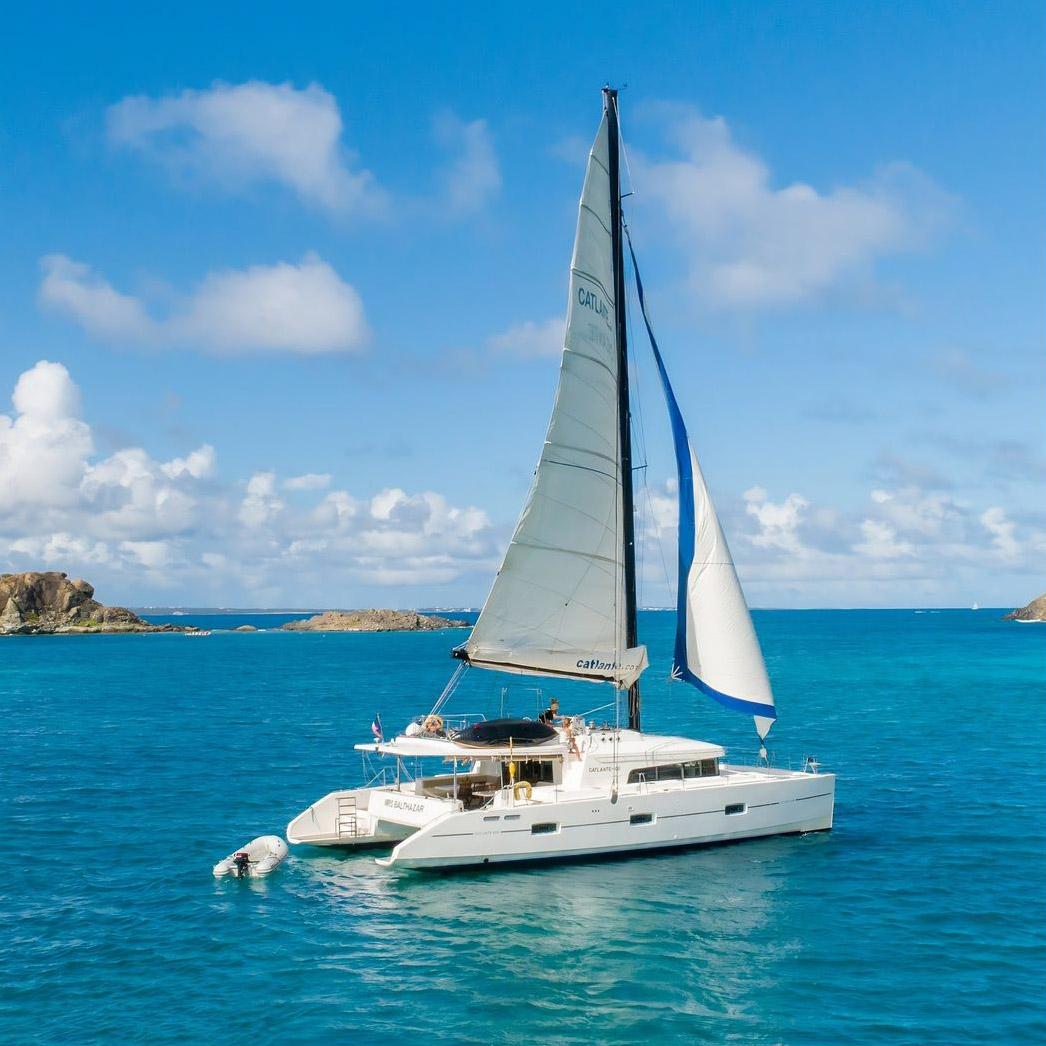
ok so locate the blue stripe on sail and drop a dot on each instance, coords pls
(681, 668)
(738, 704)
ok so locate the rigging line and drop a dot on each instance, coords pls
(452, 685)
(648, 495)
(650, 335)
(624, 155)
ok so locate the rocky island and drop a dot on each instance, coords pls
(373, 621)
(1034, 611)
(48, 603)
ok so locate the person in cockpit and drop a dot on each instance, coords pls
(551, 714)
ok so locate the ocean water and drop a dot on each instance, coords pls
(130, 764)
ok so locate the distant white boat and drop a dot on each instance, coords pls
(198, 632)
(563, 605)
(976, 606)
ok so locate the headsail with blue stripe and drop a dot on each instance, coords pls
(716, 647)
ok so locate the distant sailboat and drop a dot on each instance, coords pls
(563, 605)
(976, 606)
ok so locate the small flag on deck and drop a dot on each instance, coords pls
(375, 729)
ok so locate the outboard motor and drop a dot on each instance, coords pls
(240, 861)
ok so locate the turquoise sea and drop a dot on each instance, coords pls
(130, 764)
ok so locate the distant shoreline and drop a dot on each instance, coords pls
(178, 611)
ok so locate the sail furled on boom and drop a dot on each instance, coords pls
(557, 604)
(716, 648)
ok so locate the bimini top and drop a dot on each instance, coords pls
(496, 733)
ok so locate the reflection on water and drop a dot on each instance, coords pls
(700, 924)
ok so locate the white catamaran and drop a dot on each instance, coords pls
(563, 605)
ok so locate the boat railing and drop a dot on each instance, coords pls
(451, 722)
(379, 779)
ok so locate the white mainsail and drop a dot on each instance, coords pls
(557, 606)
(716, 648)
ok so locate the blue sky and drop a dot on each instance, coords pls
(263, 247)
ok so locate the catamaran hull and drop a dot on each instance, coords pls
(653, 820)
(345, 819)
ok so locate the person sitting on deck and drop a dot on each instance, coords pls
(551, 714)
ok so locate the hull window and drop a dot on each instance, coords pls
(735, 808)
(701, 768)
(641, 819)
(544, 828)
(649, 774)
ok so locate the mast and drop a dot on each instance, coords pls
(624, 414)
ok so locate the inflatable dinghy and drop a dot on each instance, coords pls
(259, 857)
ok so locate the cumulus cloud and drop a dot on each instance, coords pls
(473, 177)
(531, 340)
(905, 546)
(178, 523)
(305, 308)
(50, 477)
(880, 541)
(308, 481)
(260, 504)
(44, 447)
(239, 134)
(1002, 533)
(751, 243)
(778, 522)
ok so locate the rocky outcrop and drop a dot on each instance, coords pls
(245, 628)
(373, 621)
(1034, 611)
(48, 602)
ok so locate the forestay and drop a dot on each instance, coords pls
(557, 604)
(716, 647)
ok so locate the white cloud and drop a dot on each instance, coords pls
(261, 504)
(71, 288)
(473, 177)
(177, 523)
(49, 477)
(880, 541)
(238, 134)
(305, 308)
(1001, 530)
(778, 522)
(199, 464)
(44, 448)
(751, 244)
(59, 548)
(308, 481)
(531, 340)
(155, 555)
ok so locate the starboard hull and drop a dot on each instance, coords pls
(748, 806)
